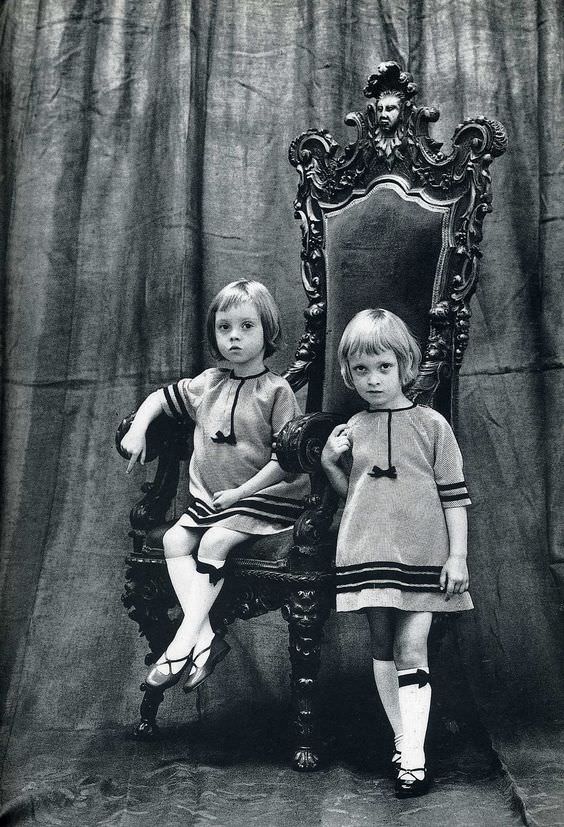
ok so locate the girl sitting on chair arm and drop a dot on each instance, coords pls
(237, 488)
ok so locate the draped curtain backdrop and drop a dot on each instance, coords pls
(144, 164)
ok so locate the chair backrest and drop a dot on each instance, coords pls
(391, 221)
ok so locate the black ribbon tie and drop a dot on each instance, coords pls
(383, 472)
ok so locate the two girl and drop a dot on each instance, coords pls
(237, 488)
(401, 549)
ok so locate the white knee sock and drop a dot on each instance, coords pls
(386, 679)
(415, 702)
(181, 570)
(197, 599)
(205, 632)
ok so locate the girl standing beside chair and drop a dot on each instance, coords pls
(237, 488)
(401, 550)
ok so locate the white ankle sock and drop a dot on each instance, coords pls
(415, 702)
(386, 679)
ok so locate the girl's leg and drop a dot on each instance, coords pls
(410, 655)
(179, 543)
(382, 625)
(215, 545)
(196, 585)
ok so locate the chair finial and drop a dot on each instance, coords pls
(390, 79)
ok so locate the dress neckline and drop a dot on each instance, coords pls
(252, 376)
(392, 410)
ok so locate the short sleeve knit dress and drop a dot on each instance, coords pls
(393, 541)
(236, 420)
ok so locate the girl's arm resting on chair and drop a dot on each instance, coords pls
(338, 443)
(134, 440)
(269, 475)
(454, 574)
(337, 478)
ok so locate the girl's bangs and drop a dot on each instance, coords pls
(368, 339)
(232, 299)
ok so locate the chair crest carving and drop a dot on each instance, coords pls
(393, 147)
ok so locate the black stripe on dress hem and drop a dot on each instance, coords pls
(222, 515)
(271, 503)
(387, 585)
(275, 513)
(264, 498)
(205, 510)
(387, 565)
(398, 577)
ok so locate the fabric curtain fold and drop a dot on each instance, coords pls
(143, 157)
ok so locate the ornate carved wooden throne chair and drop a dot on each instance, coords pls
(388, 221)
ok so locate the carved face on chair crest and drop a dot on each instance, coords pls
(388, 110)
(389, 130)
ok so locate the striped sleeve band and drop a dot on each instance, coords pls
(173, 403)
(454, 495)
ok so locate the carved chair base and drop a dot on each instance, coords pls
(252, 587)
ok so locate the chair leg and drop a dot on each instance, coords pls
(147, 727)
(151, 603)
(306, 610)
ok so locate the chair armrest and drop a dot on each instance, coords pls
(298, 448)
(162, 434)
(170, 441)
(299, 444)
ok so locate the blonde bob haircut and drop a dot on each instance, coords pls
(373, 331)
(241, 291)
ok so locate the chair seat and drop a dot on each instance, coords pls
(267, 552)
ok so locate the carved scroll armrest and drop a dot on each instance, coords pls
(162, 433)
(299, 444)
(170, 442)
(298, 448)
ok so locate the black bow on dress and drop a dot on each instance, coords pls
(383, 472)
(220, 437)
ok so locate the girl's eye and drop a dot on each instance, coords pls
(248, 325)
(222, 326)
(359, 369)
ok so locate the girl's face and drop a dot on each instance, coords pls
(240, 338)
(376, 379)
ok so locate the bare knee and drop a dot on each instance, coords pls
(410, 645)
(409, 656)
(410, 651)
(217, 543)
(176, 542)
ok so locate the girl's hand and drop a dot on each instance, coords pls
(454, 576)
(225, 499)
(135, 445)
(337, 444)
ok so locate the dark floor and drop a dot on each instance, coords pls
(223, 774)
